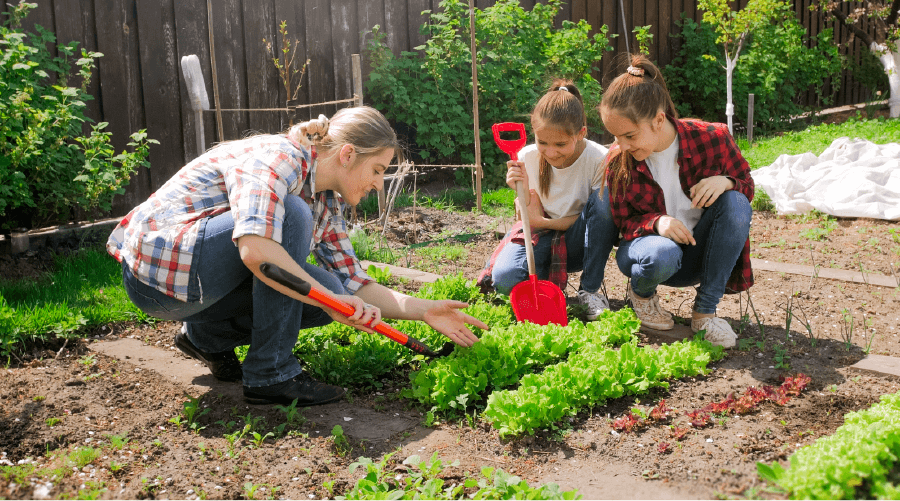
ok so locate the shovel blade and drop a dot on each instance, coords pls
(539, 302)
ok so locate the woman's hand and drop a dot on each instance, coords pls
(515, 171)
(444, 316)
(704, 193)
(363, 314)
(535, 211)
(671, 228)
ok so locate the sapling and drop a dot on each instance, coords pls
(733, 29)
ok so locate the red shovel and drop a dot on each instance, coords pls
(303, 287)
(537, 301)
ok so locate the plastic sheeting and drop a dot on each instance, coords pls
(851, 178)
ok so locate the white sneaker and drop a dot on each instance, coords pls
(718, 331)
(649, 312)
(594, 302)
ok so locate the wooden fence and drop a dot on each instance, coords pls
(138, 82)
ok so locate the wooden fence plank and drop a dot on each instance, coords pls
(666, 26)
(416, 20)
(192, 37)
(344, 32)
(230, 65)
(396, 25)
(371, 14)
(564, 14)
(604, 13)
(159, 78)
(264, 87)
(120, 88)
(651, 18)
(75, 23)
(321, 54)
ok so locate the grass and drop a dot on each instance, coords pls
(85, 289)
(816, 138)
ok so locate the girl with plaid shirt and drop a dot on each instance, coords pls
(568, 210)
(192, 252)
(680, 192)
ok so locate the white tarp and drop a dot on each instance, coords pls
(851, 178)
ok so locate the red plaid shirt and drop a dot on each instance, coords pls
(705, 150)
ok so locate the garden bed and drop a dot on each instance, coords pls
(88, 395)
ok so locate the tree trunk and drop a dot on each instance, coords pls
(890, 61)
(729, 98)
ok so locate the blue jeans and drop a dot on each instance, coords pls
(235, 308)
(588, 243)
(721, 233)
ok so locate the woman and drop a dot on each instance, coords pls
(192, 251)
(680, 192)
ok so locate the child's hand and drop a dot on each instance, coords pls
(704, 193)
(515, 171)
(673, 229)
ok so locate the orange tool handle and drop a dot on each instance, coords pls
(303, 287)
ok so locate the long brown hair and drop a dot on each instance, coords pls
(561, 107)
(637, 94)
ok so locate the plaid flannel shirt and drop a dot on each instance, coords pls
(705, 150)
(250, 178)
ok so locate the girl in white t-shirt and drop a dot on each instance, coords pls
(572, 227)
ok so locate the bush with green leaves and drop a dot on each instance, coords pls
(48, 166)
(776, 66)
(429, 93)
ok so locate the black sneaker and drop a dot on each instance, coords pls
(224, 366)
(302, 388)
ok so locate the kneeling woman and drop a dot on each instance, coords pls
(192, 251)
(680, 192)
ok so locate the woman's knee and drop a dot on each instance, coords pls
(298, 226)
(734, 208)
(654, 254)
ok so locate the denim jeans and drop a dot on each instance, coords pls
(720, 234)
(588, 243)
(235, 308)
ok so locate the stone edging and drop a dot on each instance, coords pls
(24, 241)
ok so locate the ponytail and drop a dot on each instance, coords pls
(637, 94)
(560, 107)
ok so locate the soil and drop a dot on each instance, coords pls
(128, 380)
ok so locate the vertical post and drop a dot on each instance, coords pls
(750, 98)
(476, 125)
(215, 80)
(356, 67)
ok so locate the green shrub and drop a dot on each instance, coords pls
(47, 165)
(776, 66)
(429, 94)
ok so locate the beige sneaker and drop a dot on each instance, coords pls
(649, 312)
(718, 331)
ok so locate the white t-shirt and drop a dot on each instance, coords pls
(664, 167)
(571, 186)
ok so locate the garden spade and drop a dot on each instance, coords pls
(537, 301)
(303, 287)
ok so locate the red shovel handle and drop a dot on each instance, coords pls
(510, 146)
(303, 287)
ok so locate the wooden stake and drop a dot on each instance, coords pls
(215, 80)
(478, 172)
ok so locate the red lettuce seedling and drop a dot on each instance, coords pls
(699, 419)
(661, 412)
(679, 433)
